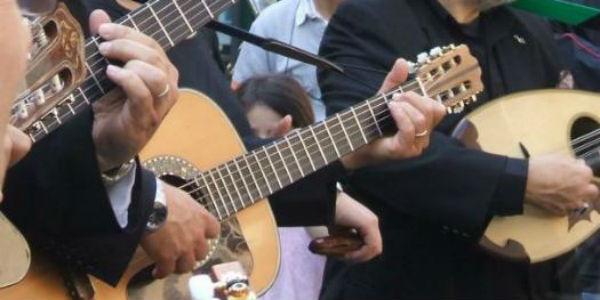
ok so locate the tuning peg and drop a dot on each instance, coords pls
(423, 58)
(23, 112)
(40, 98)
(473, 98)
(412, 67)
(436, 52)
(459, 107)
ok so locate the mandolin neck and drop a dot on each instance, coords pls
(167, 21)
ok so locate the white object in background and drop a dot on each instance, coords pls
(201, 287)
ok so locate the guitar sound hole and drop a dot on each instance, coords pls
(188, 186)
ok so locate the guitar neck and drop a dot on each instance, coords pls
(233, 186)
(167, 21)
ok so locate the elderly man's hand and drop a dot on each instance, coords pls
(126, 119)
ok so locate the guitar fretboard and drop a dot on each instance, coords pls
(235, 185)
(167, 21)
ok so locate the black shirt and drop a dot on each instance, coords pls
(434, 209)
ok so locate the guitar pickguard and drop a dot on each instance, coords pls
(229, 246)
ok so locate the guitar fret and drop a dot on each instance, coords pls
(85, 98)
(272, 166)
(258, 188)
(318, 144)
(423, 90)
(360, 128)
(94, 77)
(208, 9)
(239, 171)
(210, 173)
(241, 199)
(132, 22)
(226, 188)
(283, 162)
(345, 132)
(161, 25)
(183, 16)
(379, 131)
(312, 164)
(337, 152)
(210, 194)
(263, 172)
(294, 155)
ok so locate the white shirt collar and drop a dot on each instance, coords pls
(307, 10)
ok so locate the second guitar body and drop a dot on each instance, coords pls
(532, 124)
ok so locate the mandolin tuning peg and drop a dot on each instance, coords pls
(423, 58)
(473, 98)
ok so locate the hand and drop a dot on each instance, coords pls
(559, 184)
(16, 146)
(414, 115)
(350, 213)
(181, 241)
(16, 40)
(124, 124)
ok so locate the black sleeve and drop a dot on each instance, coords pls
(449, 185)
(57, 198)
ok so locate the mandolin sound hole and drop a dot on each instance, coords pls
(188, 186)
(585, 141)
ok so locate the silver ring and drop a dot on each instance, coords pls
(165, 92)
(422, 133)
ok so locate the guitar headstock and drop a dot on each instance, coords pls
(56, 66)
(450, 75)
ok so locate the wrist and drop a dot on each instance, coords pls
(113, 175)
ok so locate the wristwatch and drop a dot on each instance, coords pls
(111, 176)
(159, 211)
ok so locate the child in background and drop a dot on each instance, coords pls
(275, 104)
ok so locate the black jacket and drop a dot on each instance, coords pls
(56, 197)
(433, 209)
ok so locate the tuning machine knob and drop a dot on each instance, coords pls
(436, 52)
(423, 58)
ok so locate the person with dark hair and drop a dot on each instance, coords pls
(276, 104)
(276, 93)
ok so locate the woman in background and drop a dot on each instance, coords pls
(275, 105)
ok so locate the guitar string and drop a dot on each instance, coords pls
(155, 32)
(230, 203)
(94, 39)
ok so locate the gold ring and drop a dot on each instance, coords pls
(422, 133)
(165, 92)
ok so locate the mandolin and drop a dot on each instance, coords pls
(530, 124)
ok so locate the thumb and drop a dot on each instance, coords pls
(97, 18)
(396, 76)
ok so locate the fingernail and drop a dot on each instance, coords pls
(113, 70)
(105, 30)
(104, 47)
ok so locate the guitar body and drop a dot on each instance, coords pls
(195, 135)
(543, 122)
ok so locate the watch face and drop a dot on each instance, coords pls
(157, 217)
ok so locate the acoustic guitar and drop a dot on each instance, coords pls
(529, 124)
(196, 138)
